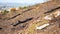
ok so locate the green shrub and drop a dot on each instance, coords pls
(20, 7)
(4, 12)
(23, 7)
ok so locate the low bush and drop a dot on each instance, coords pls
(4, 12)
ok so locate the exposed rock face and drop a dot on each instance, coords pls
(57, 1)
(25, 21)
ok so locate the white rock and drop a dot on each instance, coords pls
(38, 20)
(43, 26)
(17, 8)
(48, 17)
(57, 13)
(9, 9)
(0, 11)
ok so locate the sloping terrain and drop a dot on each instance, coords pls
(26, 21)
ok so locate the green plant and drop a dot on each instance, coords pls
(25, 7)
(20, 7)
(4, 12)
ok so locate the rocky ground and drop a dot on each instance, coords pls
(26, 21)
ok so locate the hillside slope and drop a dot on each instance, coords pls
(25, 21)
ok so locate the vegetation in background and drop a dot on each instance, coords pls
(23, 7)
(4, 12)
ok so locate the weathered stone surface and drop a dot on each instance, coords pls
(25, 21)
